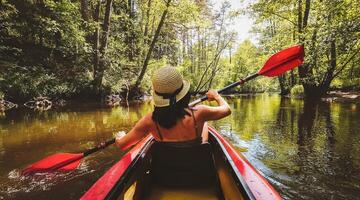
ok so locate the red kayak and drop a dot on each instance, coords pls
(153, 170)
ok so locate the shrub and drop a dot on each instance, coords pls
(297, 90)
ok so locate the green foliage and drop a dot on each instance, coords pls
(297, 90)
(248, 59)
(49, 47)
(331, 43)
(26, 83)
(346, 83)
(42, 49)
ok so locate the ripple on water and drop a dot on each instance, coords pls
(17, 183)
(233, 137)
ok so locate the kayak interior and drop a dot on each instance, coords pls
(166, 172)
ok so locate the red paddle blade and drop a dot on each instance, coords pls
(283, 61)
(60, 161)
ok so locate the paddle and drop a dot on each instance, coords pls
(63, 161)
(277, 64)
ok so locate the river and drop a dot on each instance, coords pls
(305, 150)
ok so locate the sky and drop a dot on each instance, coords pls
(241, 24)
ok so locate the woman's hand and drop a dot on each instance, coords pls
(214, 112)
(212, 95)
(119, 134)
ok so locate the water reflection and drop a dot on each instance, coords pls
(306, 150)
(27, 136)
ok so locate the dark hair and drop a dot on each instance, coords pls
(167, 116)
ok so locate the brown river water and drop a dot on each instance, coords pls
(305, 150)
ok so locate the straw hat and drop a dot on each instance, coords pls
(168, 86)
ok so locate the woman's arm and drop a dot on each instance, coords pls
(214, 112)
(139, 131)
(205, 134)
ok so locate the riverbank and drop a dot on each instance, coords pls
(334, 96)
(331, 96)
(340, 96)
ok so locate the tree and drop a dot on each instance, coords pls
(100, 63)
(326, 28)
(151, 47)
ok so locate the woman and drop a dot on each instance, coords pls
(172, 120)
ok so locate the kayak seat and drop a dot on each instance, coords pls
(182, 166)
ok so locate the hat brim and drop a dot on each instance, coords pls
(159, 101)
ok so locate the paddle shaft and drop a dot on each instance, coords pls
(86, 153)
(232, 85)
(99, 147)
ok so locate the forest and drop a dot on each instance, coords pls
(90, 48)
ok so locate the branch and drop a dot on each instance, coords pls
(282, 17)
(198, 87)
(152, 45)
(306, 13)
(344, 65)
(207, 68)
(212, 77)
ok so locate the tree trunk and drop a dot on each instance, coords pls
(84, 10)
(151, 48)
(213, 73)
(230, 55)
(311, 90)
(86, 16)
(300, 18)
(306, 13)
(292, 79)
(205, 48)
(331, 68)
(96, 41)
(131, 36)
(146, 29)
(102, 50)
(131, 8)
(183, 45)
(190, 51)
(285, 82)
(284, 88)
(198, 48)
